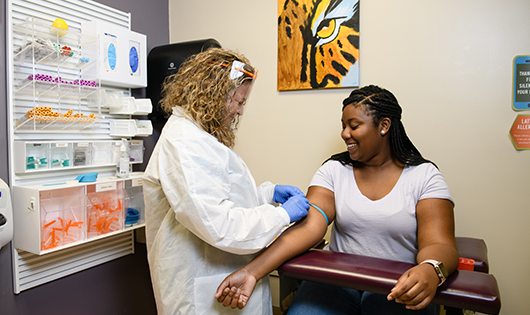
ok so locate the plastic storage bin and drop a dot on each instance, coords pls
(135, 148)
(135, 212)
(62, 217)
(132, 106)
(130, 128)
(37, 156)
(102, 153)
(106, 204)
(82, 154)
(136, 151)
(61, 155)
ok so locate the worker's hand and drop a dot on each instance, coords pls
(416, 287)
(282, 193)
(236, 289)
(296, 207)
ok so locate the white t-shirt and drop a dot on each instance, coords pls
(384, 228)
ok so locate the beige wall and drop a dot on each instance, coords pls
(450, 65)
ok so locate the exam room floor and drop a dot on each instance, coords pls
(277, 311)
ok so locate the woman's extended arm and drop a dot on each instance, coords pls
(436, 240)
(236, 289)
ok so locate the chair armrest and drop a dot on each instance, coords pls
(475, 249)
(469, 290)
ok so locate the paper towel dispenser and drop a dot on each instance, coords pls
(6, 214)
(163, 61)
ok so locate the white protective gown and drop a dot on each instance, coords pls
(205, 218)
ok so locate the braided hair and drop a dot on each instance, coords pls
(381, 103)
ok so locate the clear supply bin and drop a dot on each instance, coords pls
(135, 212)
(62, 217)
(102, 153)
(61, 155)
(82, 154)
(136, 151)
(144, 128)
(106, 204)
(37, 156)
(132, 106)
(130, 128)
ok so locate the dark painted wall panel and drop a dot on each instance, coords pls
(122, 286)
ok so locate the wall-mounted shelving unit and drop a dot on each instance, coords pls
(56, 78)
(60, 127)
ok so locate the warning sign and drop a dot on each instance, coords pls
(520, 132)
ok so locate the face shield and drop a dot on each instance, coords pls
(243, 76)
(241, 70)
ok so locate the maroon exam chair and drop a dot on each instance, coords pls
(475, 290)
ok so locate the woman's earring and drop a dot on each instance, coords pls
(382, 132)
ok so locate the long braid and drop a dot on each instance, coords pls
(381, 103)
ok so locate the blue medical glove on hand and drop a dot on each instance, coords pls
(296, 207)
(282, 193)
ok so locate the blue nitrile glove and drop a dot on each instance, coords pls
(296, 207)
(282, 193)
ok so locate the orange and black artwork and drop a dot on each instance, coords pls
(318, 44)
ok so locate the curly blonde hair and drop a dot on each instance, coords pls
(202, 87)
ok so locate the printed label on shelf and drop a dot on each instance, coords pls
(105, 186)
(136, 182)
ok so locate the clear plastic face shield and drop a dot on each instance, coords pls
(240, 69)
(244, 76)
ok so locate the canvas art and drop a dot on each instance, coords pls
(318, 44)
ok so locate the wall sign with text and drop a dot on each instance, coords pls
(520, 132)
(521, 83)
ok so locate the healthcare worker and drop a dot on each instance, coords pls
(205, 217)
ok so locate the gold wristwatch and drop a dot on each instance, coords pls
(439, 268)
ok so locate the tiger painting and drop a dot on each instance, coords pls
(318, 44)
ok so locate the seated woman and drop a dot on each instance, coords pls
(386, 200)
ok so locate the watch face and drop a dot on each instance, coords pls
(439, 267)
(443, 271)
